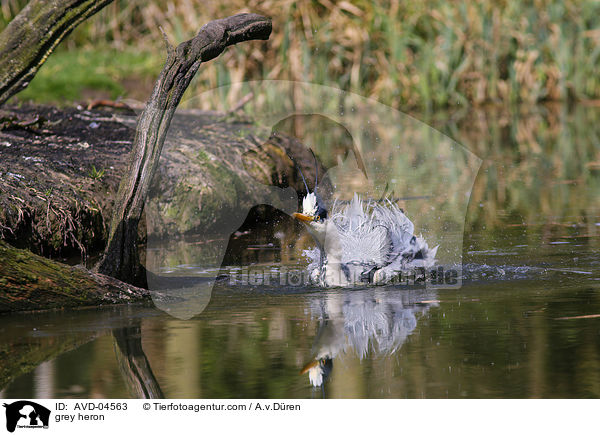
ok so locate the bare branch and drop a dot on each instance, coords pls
(121, 258)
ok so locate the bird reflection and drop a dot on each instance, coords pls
(372, 321)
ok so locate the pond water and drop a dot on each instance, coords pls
(525, 322)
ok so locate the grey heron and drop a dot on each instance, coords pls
(361, 241)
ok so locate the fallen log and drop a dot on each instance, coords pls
(30, 282)
(59, 176)
(50, 182)
(51, 204)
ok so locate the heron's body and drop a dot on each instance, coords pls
(361, 242)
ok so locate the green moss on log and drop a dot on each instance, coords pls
(31, 282)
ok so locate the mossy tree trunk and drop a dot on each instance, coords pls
(121, 258)
(31, 282)
(32, 35)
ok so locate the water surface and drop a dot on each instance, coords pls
(525, 322)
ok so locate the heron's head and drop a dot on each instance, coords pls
(318, 370)
(314, 216)
(314, 212)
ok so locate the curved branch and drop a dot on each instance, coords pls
(121, 259)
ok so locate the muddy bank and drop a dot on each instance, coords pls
(60, 170)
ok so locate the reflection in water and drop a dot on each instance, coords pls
(133, 363)
(363, 322)
(516, 329)
(512, 339)
(38, 342)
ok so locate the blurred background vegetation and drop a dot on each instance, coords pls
(410, 55)
(516, 82)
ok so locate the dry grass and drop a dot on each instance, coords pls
(434, 53)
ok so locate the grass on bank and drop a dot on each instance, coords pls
(78, 75)
(423, 55)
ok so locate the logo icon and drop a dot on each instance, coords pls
(26, 414)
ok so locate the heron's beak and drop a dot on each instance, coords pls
(303, 217)
(309, 366)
